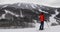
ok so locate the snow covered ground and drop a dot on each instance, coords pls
(36, 29)
(48, 28)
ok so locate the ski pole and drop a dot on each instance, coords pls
(48, 25)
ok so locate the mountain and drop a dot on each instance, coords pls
(23, 13)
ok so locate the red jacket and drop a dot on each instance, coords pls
(42, 18)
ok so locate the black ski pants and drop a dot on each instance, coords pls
(41, 26)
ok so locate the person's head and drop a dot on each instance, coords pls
(41, 13)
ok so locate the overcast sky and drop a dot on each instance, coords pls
(40, 2)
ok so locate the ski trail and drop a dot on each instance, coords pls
(6, 11)
(52, 19)
(21, 15)
(42, 11)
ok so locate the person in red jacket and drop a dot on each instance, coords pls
(42, 18)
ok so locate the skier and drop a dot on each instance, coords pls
(42, 18)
